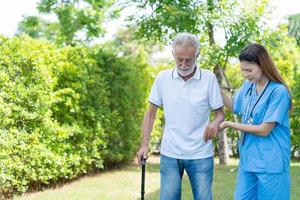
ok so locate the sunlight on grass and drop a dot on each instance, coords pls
(124, 184)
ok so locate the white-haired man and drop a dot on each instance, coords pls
(186, 94)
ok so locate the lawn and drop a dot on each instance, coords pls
(124, 184)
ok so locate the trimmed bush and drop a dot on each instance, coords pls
(65, 111)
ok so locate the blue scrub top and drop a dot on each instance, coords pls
(267, 154)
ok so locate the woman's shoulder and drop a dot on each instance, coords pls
(279, 88)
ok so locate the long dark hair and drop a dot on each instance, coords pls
(257, 54)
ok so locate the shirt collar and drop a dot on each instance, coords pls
(196, 76)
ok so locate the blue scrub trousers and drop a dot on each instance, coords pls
(262, 186)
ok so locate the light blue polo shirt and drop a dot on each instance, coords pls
(186, 106)
(270, 154)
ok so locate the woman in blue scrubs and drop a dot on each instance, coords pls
(263, 102)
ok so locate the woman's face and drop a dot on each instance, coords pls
(251, 71)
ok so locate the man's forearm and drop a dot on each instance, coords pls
(148, 124)
(218, 117)
(147, 129)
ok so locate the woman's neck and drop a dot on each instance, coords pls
(261, 84)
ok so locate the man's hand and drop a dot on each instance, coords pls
(142, 153)
(211, 131)
(212, 128)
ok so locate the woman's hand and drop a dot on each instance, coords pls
(224, 125)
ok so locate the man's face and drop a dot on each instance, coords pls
(185, 58)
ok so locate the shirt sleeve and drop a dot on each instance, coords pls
(279, 105)
(215, 98)
(238, 99)
(155, 96)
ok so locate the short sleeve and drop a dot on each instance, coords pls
(155, 96)
(215, 97)
(278, 106)
(238, 98)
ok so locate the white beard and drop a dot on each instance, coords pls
(185, 72)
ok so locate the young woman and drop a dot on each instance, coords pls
(263, 102)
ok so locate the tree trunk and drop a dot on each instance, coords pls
(223, 147)
(222, 137)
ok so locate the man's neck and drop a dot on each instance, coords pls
(187, 77)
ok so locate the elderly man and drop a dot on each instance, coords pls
(186, 94)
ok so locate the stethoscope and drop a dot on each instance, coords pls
(248, 115)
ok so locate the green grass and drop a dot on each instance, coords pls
(124, 184)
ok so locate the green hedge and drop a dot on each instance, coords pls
(65, 111)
